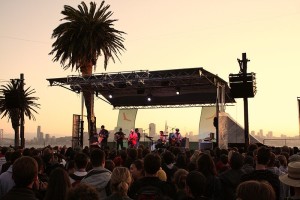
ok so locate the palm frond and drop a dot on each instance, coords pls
(86, 35)
(13, 100)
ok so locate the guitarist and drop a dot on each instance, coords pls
(175, 138)
(103, 135)
(119, 136)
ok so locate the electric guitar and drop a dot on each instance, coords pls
(117, 137)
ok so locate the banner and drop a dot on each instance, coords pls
(126, 120)
(206, 126)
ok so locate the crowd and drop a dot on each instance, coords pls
(258, 172)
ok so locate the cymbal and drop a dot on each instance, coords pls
(149, 137)
(164, 135)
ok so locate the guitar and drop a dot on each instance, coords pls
(175, 140)
(119, 136)
(100, 138)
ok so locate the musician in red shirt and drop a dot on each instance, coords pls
(133, 138)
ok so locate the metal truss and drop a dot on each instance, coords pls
(136, 84)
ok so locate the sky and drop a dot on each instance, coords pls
(163, 35)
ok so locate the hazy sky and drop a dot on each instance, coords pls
(166, 34)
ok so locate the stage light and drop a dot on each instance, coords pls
(177, 91)
(149, 97)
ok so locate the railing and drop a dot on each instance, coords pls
(282, 142)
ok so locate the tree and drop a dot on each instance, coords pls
(86, 35)
(13, 101)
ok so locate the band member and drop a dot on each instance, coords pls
(103, 135)
(162, 137)
(175, 138)
(119, 136)
(139, 136)
(133, 138)
(161, 141)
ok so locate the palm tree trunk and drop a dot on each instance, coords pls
(88, 94)
(17, 137)
(15, 122)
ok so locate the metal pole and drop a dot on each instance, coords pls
(298, 98)
(246, 121)
(22, 111)
(81, 122)
(217, 116)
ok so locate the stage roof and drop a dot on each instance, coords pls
(130, 89)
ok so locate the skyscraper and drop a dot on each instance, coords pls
(152, 129)
(39, 135)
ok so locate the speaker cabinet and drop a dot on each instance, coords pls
(240, 88)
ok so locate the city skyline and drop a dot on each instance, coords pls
(174, 35)
(154, 133)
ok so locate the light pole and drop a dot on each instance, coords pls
(298, 99)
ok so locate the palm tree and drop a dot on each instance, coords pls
(13, 101)
(87, 34)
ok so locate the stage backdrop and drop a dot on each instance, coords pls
(126, 120)
(206, 126)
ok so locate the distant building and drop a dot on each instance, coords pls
(40, 135)
(260, 133)
(283, 136)
(269, 134)
(53, 139)
(47, 138)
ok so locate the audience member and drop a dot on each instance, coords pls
(292, 178)
(99, 176)
(161, 174)
(255, 190)
(83, 191)
(206, 166)
(58, 185)
(152, 163)
(168, 164)
(81, 161)
(195, 185)
(193, 160)
(231, 178)
(7, 164)
(49, 160)
(131, 156)
(25, 175)
(120, 182)
(41, 189)
(6, 179)
(248, 165)
(137, 169)
(261, 173)
(179, 182)
(282, 163)
(2, 156)
(109, 164)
